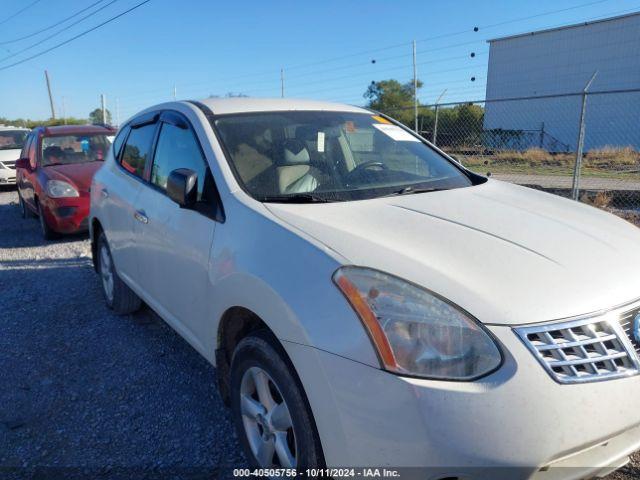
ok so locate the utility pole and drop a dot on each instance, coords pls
(575, 190)
(53, 111)
(415, 90)
(104, 108)
(117, 112)
(282, 82)
(175, 92)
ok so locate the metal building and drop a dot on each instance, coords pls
(558, 61)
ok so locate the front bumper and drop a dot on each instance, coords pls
(67, 215)
(514, 423)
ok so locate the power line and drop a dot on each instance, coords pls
(446, 35)
(6, 42)
(273, 73)
(55, 34)
(274, 80)
(385, 48)
(82, 34)
(11, 17)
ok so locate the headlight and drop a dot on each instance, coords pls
(414, 331)
(60, 189)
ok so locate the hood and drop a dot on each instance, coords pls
(79, 174)
(10, 155)
(506, 254)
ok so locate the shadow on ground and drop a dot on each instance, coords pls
(87, 394)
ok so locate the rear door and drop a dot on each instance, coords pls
(120, 195)
(175, 243)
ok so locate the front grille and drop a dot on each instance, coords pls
(10, 164)
(584, 350)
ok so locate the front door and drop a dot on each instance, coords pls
(25, 178)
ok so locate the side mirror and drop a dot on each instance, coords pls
(23, 163)
(182, 187)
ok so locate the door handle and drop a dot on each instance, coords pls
(104, 193)
(141, 217)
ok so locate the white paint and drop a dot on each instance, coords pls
(506, 254)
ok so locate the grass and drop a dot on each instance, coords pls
(606, 162)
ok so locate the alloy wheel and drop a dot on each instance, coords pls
(267, 420)
(106, 272)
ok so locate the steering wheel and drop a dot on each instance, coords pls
(368, 165)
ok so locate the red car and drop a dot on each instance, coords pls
(54, 174)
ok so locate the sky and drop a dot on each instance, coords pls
(329, 50)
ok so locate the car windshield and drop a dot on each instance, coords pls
(331, 156)
(66, 149)
(12, 139)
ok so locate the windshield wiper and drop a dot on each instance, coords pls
(294, 198)
(410, 190)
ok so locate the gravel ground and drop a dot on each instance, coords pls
(80, 388)
(94, 394)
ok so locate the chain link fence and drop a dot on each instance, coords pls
(584, 145)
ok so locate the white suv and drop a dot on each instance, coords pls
(11, 142)
(366, 300)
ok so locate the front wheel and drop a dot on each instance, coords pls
(270, 410)
(24, 212)
(47, 232)
(117, 294)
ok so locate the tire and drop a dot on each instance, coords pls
(117, 294)
(47, 232)
(263, 427)
(24, 213)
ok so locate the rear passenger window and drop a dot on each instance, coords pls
(137, 149)
(178, 148)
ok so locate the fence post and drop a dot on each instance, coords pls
(577, 169)
(435, 120)
(435, 127)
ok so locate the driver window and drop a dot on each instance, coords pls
(178, 148)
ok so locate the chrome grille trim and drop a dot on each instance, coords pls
(583, 350)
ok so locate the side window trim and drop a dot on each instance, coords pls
(34, 157)
(24, 153)
(124, 131)
(178, 119)
(147, 119)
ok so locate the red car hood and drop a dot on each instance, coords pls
(78, 174)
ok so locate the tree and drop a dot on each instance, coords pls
(96, 116)
(392, 98)
(28, 123)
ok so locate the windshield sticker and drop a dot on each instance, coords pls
(380, 119)
(320, 142)
(395, 132)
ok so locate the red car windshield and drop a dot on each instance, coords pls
(67, 149)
